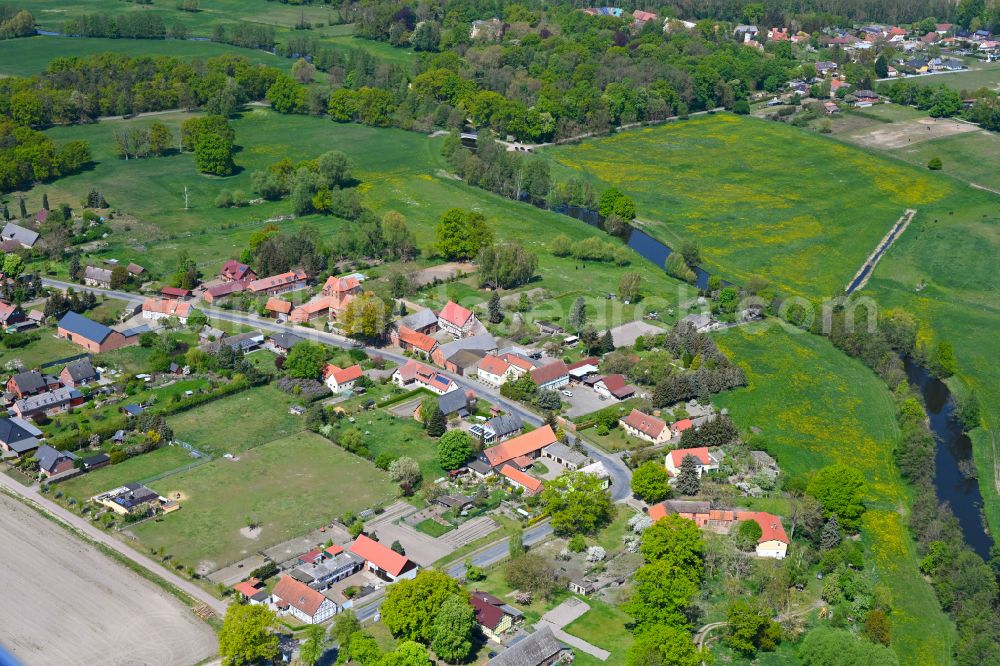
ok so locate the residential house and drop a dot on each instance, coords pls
(773, 541)
(234, 271)
(460, 403)
(253, 591)
(551, 376)
(135, 270)
(647, 427)
(528, 445)
(18, 437)
(319, 307)
(413, 341)
(501, 427)
(569, 458)
(414, 374)
(341, 379)
(778, 35)
(279, 284)
(680, 426)
(52, 462)
(341, 290)
(943, 28)
(614, 386)
(529, 484)
(10, 314)
(95, 338)
(162, 308)
(36, 316)
(175, 293)
(278, 308)
(282, 343)
(642, 17)
(494, 370)
(78, 373)
(421, 321)
(706, 461)
(456, 320)
(745, 33)
(97, 277)
(301, 601)
(220, 291)
(548, 328)
(825, 66)
(930, 38)
(865, 98)
(31, 382)
(600, 471)
(540, 648)
(495, 618)
(134, 499)
(51, 402)
(382, 560)
(244, 342)
(26, 238)
(831, 108)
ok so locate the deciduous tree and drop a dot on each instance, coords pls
(453, 629)
(453, 449)
(577, 503)
(411, 606)
(246, 636)
(650, 482)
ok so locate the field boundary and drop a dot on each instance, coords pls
(864, 274)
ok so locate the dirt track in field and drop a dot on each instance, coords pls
(64, 602)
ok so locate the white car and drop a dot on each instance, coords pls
(568, 394)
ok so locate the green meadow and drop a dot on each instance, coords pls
(815, 407)
(979, 75)
(759, 198)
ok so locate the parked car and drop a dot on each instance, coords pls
(568, 394)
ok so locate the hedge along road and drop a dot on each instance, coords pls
(620, 474)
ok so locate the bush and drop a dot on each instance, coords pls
(935, 164)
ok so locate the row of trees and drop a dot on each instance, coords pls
(132, 25)
(28, 156)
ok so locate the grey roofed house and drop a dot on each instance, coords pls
(564, 454)
(419, 319)
(454, 501)
(19, 435)
(210, 332)
(26, 237)
(538, 649)
(48, 457)
(133, 410)
(504, 425)
(31, 381)
(81, 371)
(244, 341)
(480, 467)
(101, 275)
(285, 340)
(45, 401)
(483, 342)
(455, 402)
(137, 495)
(701, 322)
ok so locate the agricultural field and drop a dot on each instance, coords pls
(238, 422)
(289, 486)
(815, 407)
(759, 198)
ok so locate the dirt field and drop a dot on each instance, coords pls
(902, 134)
(442, 272)
(65, 603)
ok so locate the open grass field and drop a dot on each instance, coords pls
(980, 74)
(398, 171)
(43, 348)
(973, 157)
(290, 485)
(31, 55)
(816, 407)
(604, 626)
(239, 422)
(385, 433)
(133, 470)
(760, 198)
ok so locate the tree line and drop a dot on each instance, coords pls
(15, 22)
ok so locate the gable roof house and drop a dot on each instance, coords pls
(162, 308)
(278, 308)
(382, 561)
(253, 591)
(773, 541)
(52, 462)
(50, 402)
(501, 427)
(412, 340)
(314, 309)
(456, 320)
(78, 373)
(282, 343)
(551, 376)
(10, 314)
(529, 484)
(95, 338)
(301, 601)
(322, 568)
(539, 649)
(494, 370)
(457, 402)
(279, 284)
(495, 618)
(417, 375)
(614, 386)
(341, 290)
(220, 291)
(235, 271)
(529, 445)
(706, 461)
(421, 321)
(97, 277)
(175, 293)
(26, 238)
(569, 458)
(647, 427)
(18, 436)
(28, 383)
(341, 379)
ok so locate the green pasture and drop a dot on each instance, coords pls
(397, 436)
(290, 485)
(973, 157)
(759, 198)
(132, 470)
(980, 74)
(815, 407)
(239, 422)
(603, 625)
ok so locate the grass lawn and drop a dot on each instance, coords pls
(44, 348)
(433, 528)
(495, 584)
(604, 626)
(385, 433)
(816, 407)
(133, 470)
(760, 198)
(979, 75)
(610, 538)
(291, 485)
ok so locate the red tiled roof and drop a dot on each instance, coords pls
(550, 372)
(290, 277)
(315, 305)
(682, 425)
(340, 285)
(523, 445)
(657, 511)
(530, 483)
(701, 453)
(334, 550)
(493, 365)
(299, 595)
(382, 557)
(342, 375)
(518, 362)
(421, 341)
(644, 423)
(770, 525)
(248, 588)
(169, 307)
(175, 291)
(487, 614)
(590, 360)
(225, 289)
(455, 314)
(277, 305)
(235, 270)
(311, 556)
(614, 382)
(640, 15)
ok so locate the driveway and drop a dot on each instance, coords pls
(584, 401)
(422, 548)
(562, 615)
(626, 334)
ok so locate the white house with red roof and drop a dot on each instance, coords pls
(341, 379)
(383, 561)
(647, 427)
(457, 320)
(161, 308)
(301, 601)
(680, 426)
(551, 376)
(414, 374)
(515, 477)
(706, 461)
(494, 370)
